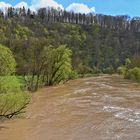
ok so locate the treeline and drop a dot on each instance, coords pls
(99, 43)
(94, 48)
(48, 15)
(51, 15)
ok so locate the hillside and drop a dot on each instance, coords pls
(97, 41)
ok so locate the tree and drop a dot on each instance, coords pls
(7, 67)
(127, 62)
(58, 66)
(11, 103)
(47, 66)
(135, 62)
(96, 40)
(7, 61)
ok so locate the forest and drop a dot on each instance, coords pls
(50, 46)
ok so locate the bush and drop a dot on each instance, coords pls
(10, 84)
(12, 100)
(121, 70)
(109, 70)
(84, 69)
(73, 75)
(135, 62)
(7, 61)
(12, 104)
(133, 74)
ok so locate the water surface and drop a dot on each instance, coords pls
(98, 108)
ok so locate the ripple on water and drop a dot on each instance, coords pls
(82, 90)
(124, 113)
(88, 82)
(94, 93)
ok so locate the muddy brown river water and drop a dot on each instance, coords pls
(98, 108)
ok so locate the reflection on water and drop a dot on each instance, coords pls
(99, 108)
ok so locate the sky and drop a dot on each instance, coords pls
(108, 7)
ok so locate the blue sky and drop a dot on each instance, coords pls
(110, 7)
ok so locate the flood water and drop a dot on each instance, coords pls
(98, 108)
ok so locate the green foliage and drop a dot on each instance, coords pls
(7, 61)
(7, 67)
(96, 70)
(48, 66)
(135, 62)
(13, 104)
(127, 62)
(109, 70)
(84, 69)
(21, 32)
(100, 45)
(58, 64)
(73, 75)
(12, 101)
(133, 74)
(43, 61)
(10, 84)
(121, 70)
(64, 60)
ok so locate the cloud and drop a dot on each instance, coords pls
(4, 6)
(45, 3)
(80, 8)
(36, 4)
(21, 4)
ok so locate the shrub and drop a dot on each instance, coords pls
(121, 70)
(12, 104)
(96, 70)
(7, 61)
(135, 61)
(109, 70)
(133, 74)
(12, 100)
(7, 68)
(73, 75)
(84, 69)
(10, 84)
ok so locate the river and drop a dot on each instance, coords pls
(97, 108)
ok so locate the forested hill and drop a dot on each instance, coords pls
(97, 41)
(50, 15)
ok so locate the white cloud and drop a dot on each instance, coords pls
(4, 6)
(36, 4)
(80, 8)
(21, 4)
(45, 3)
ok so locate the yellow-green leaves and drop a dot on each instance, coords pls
(13, 104)
(21, 32)
(7, 61)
